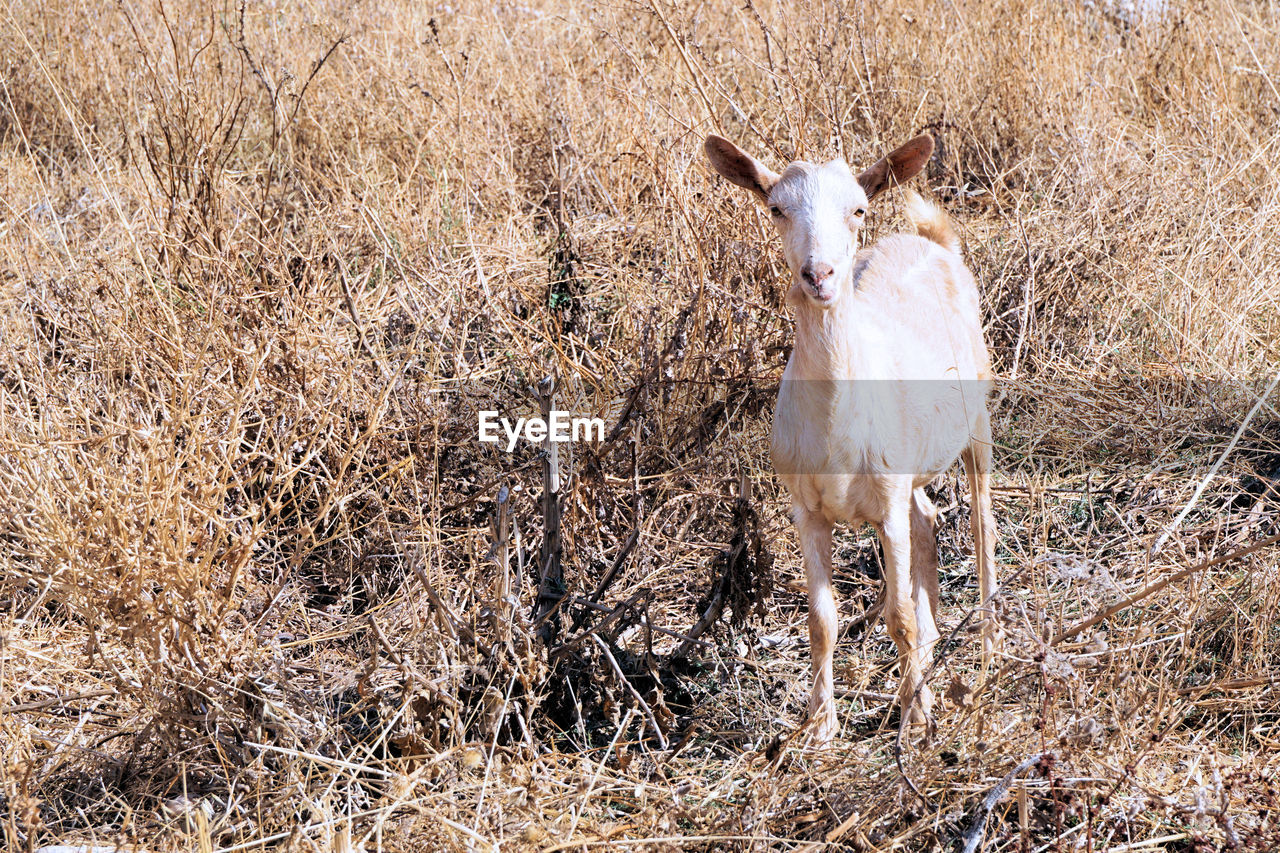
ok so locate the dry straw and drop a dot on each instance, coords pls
(261, 265)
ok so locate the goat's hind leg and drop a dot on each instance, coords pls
(977, 466)
(814, 531)
(924, 569)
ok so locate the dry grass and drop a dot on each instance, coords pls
(261, 268)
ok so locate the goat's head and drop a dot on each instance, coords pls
(818, 209)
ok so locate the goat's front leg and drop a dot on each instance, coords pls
(815, 542)
(900, 608)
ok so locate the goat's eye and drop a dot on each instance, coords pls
(775, 211)
(860, 212)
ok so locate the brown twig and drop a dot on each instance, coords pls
(54, 701)
(551, 574)
(577, 599)
(977, 829)
(635, 694)
(1152, 589)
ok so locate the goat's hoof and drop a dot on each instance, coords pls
(917, 712)
(990, 647)
(916, 716)
(919, 724)
(823, 726)
(917, 705)
(992, 633)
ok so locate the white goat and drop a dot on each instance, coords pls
(886, 386)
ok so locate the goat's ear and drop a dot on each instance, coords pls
(739, 167)
(900, 165)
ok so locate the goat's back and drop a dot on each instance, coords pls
(923, 301)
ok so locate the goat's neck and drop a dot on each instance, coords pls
(828, 345)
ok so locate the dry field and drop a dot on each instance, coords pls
(262, 266)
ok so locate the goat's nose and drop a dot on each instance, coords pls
(815, 273)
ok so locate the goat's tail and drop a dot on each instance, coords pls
(931, 222)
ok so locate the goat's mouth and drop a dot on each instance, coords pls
(823, 295)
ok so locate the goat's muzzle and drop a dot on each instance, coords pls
(818, 279)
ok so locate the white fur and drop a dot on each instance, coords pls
(885, 388)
